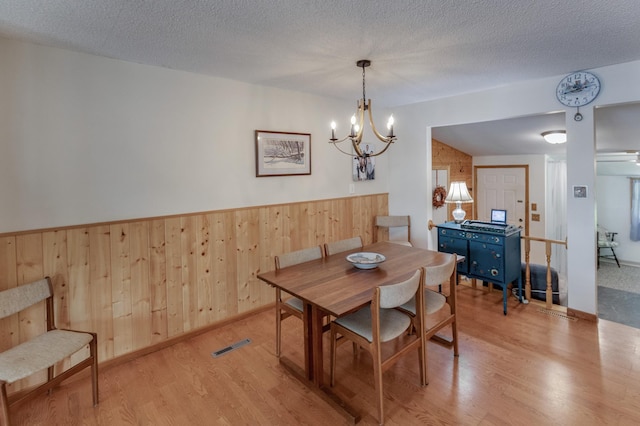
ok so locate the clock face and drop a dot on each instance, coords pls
(578, 89)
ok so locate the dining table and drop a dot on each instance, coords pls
(333, 286)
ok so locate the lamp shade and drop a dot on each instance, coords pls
(458, 192)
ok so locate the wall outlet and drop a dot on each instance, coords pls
(352, 188)
(535, 217)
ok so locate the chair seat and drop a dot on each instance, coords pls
(392, 323)
(607, 244)
(39, 353)
(433, 302)
(295, 303)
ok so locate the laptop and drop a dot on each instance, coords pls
(499, 216)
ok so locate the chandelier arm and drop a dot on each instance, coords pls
(384, 139)
(357, 149)
(342, 151)
(388, 144)
(337, 141)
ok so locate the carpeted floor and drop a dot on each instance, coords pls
(619, 294)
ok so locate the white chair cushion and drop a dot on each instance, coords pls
(607, 244)
(39, 353)
(393, 323)
(433, 302)
(295, 303)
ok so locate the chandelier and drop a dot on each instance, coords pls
(357, 124)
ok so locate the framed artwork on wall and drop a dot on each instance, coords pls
(364, 168)
(282, 153)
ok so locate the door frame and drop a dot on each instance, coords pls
(526, 188)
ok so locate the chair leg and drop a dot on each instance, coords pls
(454, 334)
(615, 257)
(377, 381)
(4, 402)
(333, 358)
(93, 350)
(278, 323)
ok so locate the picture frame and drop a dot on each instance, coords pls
(579, 191)
(363, 168)
(282, 153)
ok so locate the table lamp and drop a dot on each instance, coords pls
(458, 193)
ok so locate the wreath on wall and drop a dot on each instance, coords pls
(439, 194)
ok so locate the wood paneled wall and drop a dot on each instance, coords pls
(141, 282)
(460, 167)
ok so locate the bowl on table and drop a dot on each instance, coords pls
(366, 260)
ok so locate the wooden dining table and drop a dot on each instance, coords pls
(333, 286)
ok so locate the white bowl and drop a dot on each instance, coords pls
(366, 260)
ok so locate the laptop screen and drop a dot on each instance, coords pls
(499, 216)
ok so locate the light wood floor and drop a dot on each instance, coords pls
(528, 368)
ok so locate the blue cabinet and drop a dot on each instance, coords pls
(492, 253)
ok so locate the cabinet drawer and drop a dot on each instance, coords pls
(457, 246)
(487, 261)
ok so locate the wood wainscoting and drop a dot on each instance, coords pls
(142, 282)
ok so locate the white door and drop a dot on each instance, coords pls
(502, 188)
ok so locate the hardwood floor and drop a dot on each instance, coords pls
(530, 367)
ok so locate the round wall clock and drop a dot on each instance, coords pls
(578, 89)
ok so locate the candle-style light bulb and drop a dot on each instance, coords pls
(353, 126)
(333, 130)
(390, 126)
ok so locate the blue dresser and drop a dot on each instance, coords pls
(491, 251)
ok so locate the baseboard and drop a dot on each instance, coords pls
(581, 315)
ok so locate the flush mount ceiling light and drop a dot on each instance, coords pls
(555, 136)
(357, 124)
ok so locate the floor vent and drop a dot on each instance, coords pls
(230, 348)
(556, 314)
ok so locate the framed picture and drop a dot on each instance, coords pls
(282, 153)
(364, 168)
(579, 191)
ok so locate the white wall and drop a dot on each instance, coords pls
(86, 139)
(614, 213)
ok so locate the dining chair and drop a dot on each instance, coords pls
(433, 303)
(42, 351)
(606, 242)
(379, 323)
(343, 245)
(388, 222)
(292, 306)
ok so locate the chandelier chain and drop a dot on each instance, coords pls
(363, 86)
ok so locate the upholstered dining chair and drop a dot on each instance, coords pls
(379, 323)
(434, 302)
(292, 306)
(343, 245)
(43, 351)
(606, 242)
(388, 222)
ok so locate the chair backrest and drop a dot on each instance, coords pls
(18, 298)
(436, 275)
(393, 222)
(298, 256)
(343, 245)
(394, 295)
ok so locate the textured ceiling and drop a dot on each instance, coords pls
(420, 49)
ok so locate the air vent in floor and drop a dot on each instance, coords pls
(230, 348)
